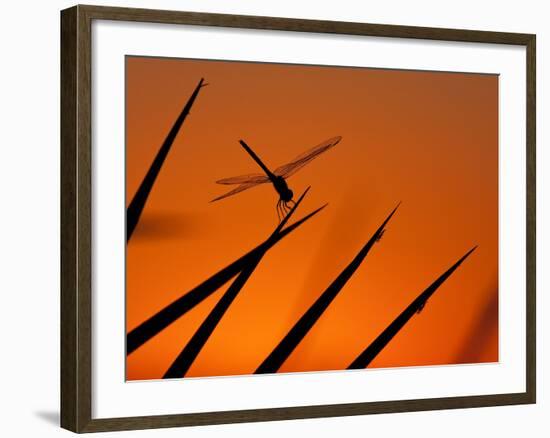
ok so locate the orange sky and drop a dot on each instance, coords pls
(428, 139)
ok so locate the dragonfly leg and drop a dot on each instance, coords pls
(278, 211)
(284, 207)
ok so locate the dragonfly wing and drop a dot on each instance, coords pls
(301, 160)
(251, 178)
(236, 190)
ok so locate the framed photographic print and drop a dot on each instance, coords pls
(268, 218)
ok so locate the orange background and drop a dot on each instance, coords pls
(428, 139)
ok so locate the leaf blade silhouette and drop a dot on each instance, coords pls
(137, 204)
(300, 329)
(192, 349)
(370, 353)
(177, 308)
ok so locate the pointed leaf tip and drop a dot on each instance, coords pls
(468, 253)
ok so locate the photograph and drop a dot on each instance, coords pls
(295, 218)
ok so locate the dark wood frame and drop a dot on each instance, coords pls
(76, 325)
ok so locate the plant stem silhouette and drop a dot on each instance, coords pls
(166, 316)
(137, 204)
(187, 356)
(279, 355)
(368, 355)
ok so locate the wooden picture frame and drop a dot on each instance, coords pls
(76, 172)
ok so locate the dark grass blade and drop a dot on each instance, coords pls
(368, 355)
(187, 356)
(279, 355)
(162, 319)
(190, 352)
(137, 204)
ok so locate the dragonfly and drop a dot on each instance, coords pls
(276, 177)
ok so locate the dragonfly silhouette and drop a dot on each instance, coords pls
(277, 177)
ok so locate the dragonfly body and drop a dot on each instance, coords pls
(277, 177)
(281, 186)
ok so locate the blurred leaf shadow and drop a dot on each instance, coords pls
(352, 211)
(166, 224)
(483, 330)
